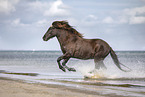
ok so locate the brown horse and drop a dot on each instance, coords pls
(73, 45)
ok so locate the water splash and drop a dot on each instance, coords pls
(112, 72)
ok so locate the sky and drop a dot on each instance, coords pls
(121, 23)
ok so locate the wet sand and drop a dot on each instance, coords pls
(18, 88)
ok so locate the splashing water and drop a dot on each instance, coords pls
(133, 60)
(88, 71)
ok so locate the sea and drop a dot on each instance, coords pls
(41, 67)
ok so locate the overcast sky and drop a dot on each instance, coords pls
(119, 22)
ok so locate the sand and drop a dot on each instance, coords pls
(17, 88)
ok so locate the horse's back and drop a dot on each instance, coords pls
(97, 42)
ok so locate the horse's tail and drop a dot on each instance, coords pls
(116, 61)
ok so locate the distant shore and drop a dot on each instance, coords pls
(18, 88)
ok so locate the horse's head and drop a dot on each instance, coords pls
(56, 27)
(51, 32)
(53, 29)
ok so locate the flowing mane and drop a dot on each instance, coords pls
(66, 26)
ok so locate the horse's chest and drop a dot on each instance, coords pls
(68, 49)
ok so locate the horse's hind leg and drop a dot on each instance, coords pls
(100, 64)
(98, 59)
(64, 64)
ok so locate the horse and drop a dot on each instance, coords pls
(73, 45)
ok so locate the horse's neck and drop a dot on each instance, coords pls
(65, 38)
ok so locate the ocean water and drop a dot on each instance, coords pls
(41, 67)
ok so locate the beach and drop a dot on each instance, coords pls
(17, 88)
(36, 74)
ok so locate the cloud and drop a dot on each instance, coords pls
(41, 22)
(137, 20)
(17, 22)
(48, 8)
(108, 20)
(135, 11)
(39, 6)
(8, 6)
(89, 20)
(127, 16)
(58, 8)
(134, 15)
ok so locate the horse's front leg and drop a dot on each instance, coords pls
(58, 61)
(65, 56)
(64, 64)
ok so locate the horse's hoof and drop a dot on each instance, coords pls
(72, 69)
(63, 69)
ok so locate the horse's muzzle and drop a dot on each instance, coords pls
(44, 38)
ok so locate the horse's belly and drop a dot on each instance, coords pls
(84, 55)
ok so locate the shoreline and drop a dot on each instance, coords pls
(20, 88)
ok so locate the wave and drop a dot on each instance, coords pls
(110, 82)
(98, 82)
(14, 73)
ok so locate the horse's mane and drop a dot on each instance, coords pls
(66, 26)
